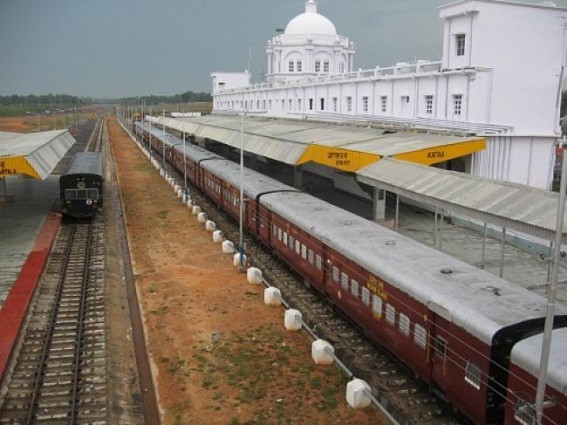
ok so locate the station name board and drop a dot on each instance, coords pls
(339, 159)
(6, 171)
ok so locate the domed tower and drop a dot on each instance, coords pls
(309, 46)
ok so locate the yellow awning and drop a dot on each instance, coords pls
(33, 154)
(352, 160)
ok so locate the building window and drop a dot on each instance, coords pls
(460, 44)
(365, 104)
(404, 324)
(429, 104)
(291, 66)
(420, 335)
(299, 66)
(457, 104)
(317, 66)
(299, 105)
(290, 105)
(405, 99)
(283, 104)
(311, 104)
(326, 67)
(473, 375)
(335, 104)
(270, 104)
(341, 67)
(322, 103)
(349, 104)
(384, 103)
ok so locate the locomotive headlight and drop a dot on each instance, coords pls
(89, 202)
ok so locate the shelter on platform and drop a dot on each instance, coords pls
(33, 154)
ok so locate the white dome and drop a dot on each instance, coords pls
(310, 22)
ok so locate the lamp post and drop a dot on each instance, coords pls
(163, 139)
(550, 311)
(240, 243)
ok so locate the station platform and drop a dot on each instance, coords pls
(27, 230)
(21, 218)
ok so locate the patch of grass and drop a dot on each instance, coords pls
(163, 214)
(153, 289)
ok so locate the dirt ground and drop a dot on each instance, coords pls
(220, 355)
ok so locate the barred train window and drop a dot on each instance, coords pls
(390, 314)
(291, 242)
(344, 281)
(377, 306)
(473, 375)
(335, 274)
(285, 238)
(404, 324)
(318, 262)
(365, 295)
(420, 336)
(311, 257)
(297, 247)
(354, 288)
(304, 252)
(524, 412)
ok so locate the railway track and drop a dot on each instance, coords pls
(60, 374)
(407, 398)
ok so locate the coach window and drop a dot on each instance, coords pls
(365, 295)
(280, 234)
(335, 274)
(311, 257)
(377, 306)
(318, 262)
(304, 252)
(291, 242)
(404, 324)
(420, 335)
(473, 375)
(354, 288)
(344, 281)
(297, 247)
(285, 238)
(390, 314)
(440, 346)
(524, 412)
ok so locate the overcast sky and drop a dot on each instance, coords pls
(118, 48)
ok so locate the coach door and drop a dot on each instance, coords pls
(438, 342)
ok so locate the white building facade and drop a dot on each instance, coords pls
(500, 77)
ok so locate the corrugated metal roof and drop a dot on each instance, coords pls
(285, 140)
(34, 154)
(514, 206)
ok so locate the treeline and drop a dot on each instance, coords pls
(187, 97)
(44, 99)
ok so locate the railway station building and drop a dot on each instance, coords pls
(499, 79)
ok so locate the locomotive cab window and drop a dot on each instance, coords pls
(70, 194)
